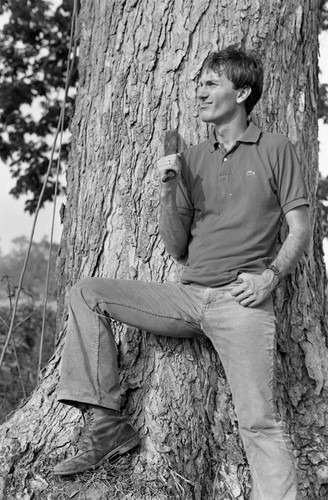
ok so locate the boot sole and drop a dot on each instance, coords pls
(120, 450)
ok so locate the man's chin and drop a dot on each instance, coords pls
(205, 119)
(204, 116)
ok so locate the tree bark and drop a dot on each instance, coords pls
(139, 62)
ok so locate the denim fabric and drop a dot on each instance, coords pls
(243, 337)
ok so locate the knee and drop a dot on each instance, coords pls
(254, 425)
(85, 291)
(257, 415)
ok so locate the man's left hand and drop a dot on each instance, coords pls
(254, 288)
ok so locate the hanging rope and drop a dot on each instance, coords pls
(70, 68)
(59, 132)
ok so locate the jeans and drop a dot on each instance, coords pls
(243, 337)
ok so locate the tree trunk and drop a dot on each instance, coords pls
(139, 62)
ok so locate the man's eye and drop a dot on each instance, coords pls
(207, 84)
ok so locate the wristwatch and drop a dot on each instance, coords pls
(276, 272)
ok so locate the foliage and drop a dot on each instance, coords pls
(324, 15)
(11, 266)
(323, 89)
(26, 339)
(322, 193)
(323, 102)
(33, 55)
(323, 204)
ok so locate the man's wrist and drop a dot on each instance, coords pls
(167, 196)
(270, 278)
(276, 272)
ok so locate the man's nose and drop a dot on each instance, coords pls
(202, 93)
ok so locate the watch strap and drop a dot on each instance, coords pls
(276, 271)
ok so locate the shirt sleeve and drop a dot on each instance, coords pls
(183, 199)
(291, 190)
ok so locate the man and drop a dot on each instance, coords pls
(221, 214)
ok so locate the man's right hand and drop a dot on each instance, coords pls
(170, 162)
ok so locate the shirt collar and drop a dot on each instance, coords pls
(251, 135)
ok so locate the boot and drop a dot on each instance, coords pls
(110, 435)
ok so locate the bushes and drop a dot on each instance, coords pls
(26, 338)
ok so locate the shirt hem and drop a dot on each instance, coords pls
(294, 204)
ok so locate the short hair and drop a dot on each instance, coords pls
(242, 68)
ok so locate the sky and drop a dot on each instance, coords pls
(14, 222)
(323, 129)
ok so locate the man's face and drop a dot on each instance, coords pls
(217, 98)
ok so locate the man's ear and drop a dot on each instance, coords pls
(243, 93)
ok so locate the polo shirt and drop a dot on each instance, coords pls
(232, 203)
